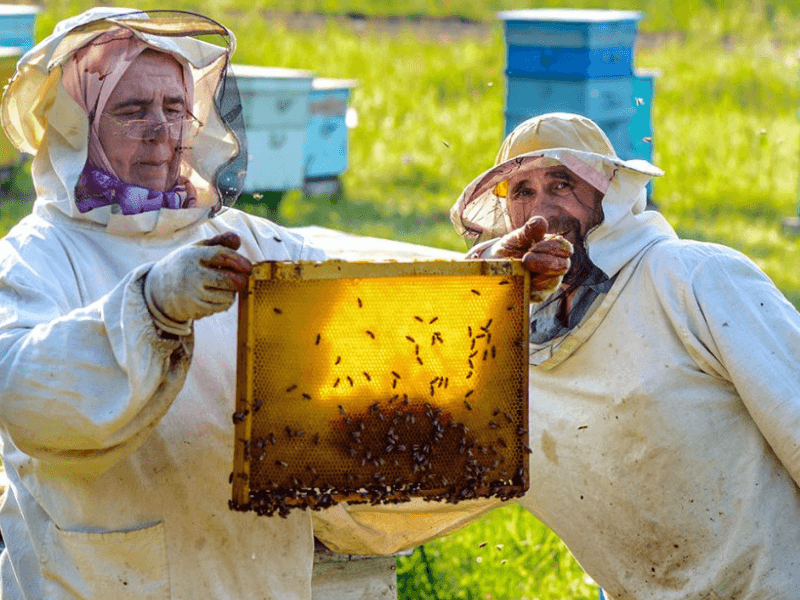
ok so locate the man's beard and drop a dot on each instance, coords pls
(581, 265)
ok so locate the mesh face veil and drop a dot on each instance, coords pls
(214, 159)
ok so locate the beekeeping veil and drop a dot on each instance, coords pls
(481, 212)
(42, 118)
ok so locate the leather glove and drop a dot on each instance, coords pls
(195, 281)
(545, 255)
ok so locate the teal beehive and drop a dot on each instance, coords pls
(579, 61)
(17, 23)
(275, 111)
(598, 99)
(570, 43)
(326, 136)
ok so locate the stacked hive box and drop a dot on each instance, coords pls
(275, 110)
(580, 61)
(325, 155)
(296, 129)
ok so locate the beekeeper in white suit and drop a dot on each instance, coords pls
(664, 377)
(664, 382)
(117, 336)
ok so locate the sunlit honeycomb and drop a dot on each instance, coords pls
(381, 388)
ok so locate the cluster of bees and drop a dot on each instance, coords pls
(398, 447)
(401, 449)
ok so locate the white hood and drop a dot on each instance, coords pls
(41, 118)
(576, 142)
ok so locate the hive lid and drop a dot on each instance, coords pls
(19, 9)
(326, 83)
(569, 15)
(379, 382)
(258, 72)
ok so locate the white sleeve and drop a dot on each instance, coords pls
(749, 335)
(82, 388)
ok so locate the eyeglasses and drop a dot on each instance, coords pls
(144, 129)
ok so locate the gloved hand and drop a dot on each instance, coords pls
(195, 281)
(545, 255)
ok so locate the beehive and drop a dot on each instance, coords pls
(380, 381)
(275, 111)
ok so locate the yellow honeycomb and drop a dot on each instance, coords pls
(380, 381)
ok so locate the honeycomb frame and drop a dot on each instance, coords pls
(380, 381)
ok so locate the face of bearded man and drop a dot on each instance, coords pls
(571, 206)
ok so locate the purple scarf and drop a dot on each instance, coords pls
(97, 188)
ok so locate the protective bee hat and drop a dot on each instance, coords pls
(481, 212)
(42, 118)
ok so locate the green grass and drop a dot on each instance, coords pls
(507, 555)
(431, 118)
(704, 18)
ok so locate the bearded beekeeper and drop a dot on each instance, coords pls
(664, 376)
(117, 335)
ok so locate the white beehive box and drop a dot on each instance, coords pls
(275, 110)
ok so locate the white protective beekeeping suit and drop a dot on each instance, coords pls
(117, 442)
(665, 426)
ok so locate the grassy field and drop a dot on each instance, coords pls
(431, 118)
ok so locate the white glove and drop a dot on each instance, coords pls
(545, 255)
(195, 281)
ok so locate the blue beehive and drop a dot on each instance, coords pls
(325, 155)
(641, 128)
(580, 61)
(570, 43)
(17, 24)
(642, 120)
(275, 110)
(598, 99)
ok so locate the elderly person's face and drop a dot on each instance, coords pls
(570, 204)
(151, 90)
